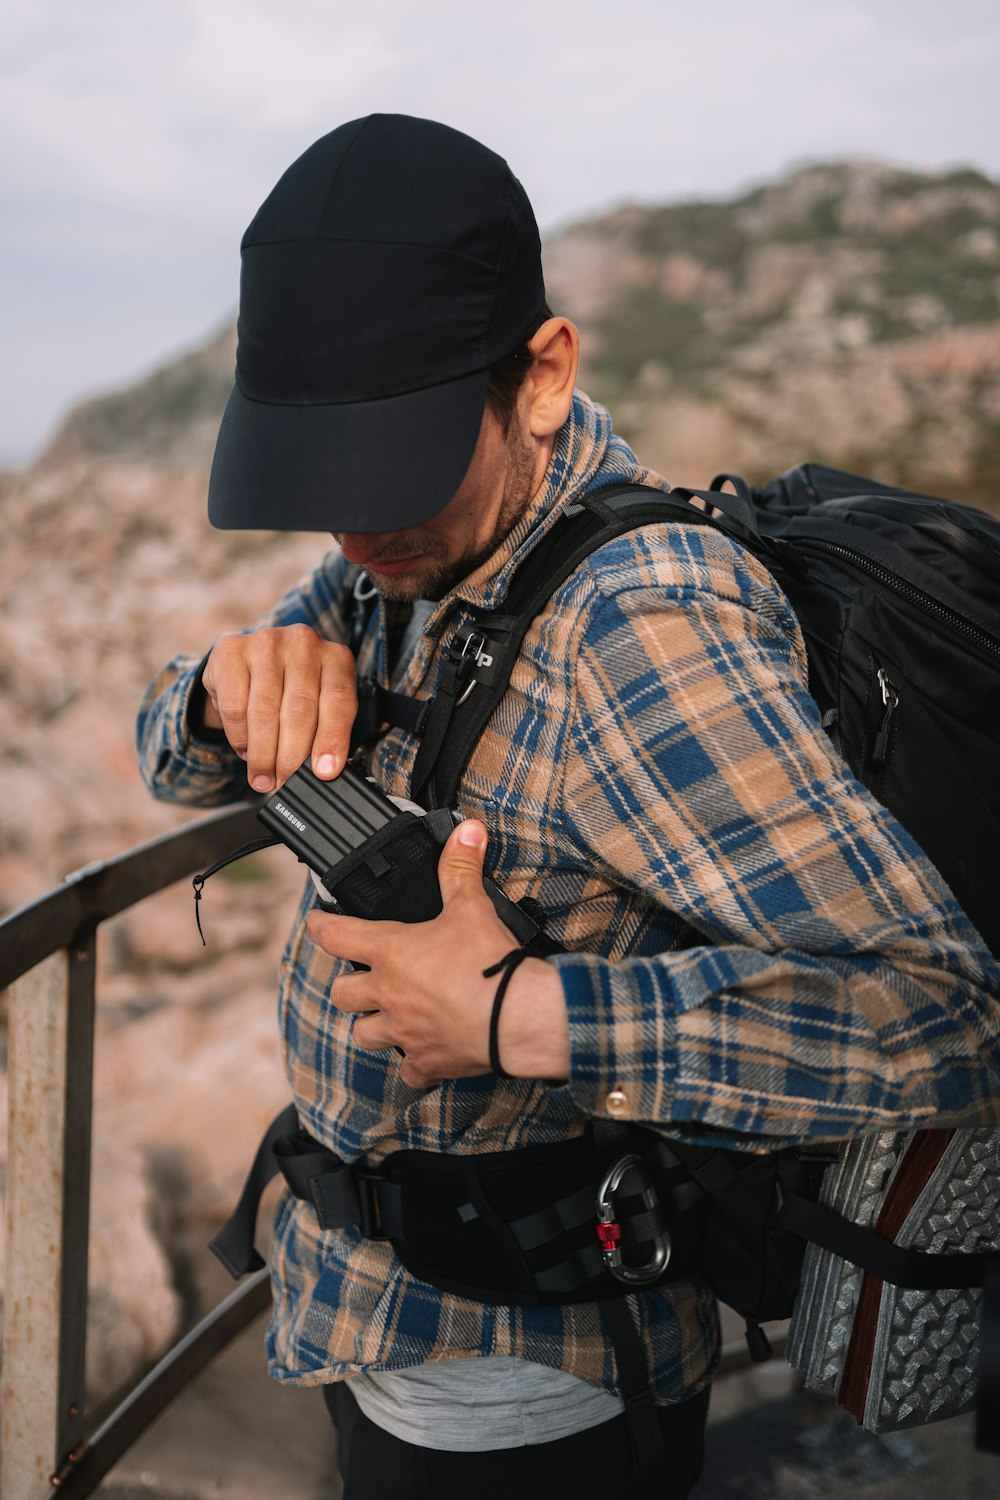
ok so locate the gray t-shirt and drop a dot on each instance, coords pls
(471, 1405)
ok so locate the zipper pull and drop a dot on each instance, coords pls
(890, 700)
(758, 1343)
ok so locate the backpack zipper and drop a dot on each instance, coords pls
(890, 702)
(864, 565)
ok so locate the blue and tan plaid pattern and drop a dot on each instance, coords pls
(785, 962)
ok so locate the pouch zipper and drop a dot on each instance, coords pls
(889, 580)
(890, 702)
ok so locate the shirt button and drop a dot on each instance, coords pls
(616, 1104)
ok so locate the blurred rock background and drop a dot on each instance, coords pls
(846, 313)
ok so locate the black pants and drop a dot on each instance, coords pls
(374, 1465)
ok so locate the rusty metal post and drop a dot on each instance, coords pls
(50, 1068)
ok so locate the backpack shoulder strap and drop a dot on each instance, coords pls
(481, 657)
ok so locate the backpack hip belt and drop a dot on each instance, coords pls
(587, 1220)
(575, 1221)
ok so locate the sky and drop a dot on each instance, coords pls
(138, 137)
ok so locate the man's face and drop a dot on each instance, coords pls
(426, 561)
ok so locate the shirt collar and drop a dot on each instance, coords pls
(586, 455)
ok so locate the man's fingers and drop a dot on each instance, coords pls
(263, 722)
(338, 707)
(345, 937)
(460, 868)
(226, 681)
(297, 718)
(372, 1033)
(283, 695)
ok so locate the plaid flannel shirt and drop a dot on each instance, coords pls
(758, 949)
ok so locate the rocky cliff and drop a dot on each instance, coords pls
(847, 313)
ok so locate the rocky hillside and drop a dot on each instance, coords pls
(848, 313)
(169, 419)
(106, 568)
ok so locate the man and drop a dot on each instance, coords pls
(756, 951)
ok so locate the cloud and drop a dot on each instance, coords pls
(289, 67)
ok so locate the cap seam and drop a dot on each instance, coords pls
(416, 390)
(502, 267)
(329, 239)
(340, 167)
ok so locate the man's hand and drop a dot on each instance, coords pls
(426, 993)
(281, 696)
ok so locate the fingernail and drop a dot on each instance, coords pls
(262, 783)
(326, 765)
(471, 834)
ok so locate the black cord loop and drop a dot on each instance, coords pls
(506, 968)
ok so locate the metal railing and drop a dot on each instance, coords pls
(47, 959)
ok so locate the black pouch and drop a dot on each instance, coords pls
(373, 859)
(751, 1260)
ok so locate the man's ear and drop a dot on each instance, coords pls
(548, 388)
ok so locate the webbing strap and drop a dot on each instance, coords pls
(532, 1230)
(988, 1392)
(647, 1226)
(316, 1174)
(455, 669)
(610, 1135)
(378, 706)
(577, 1209)
(713, 1170)
(341, 1195)
(648, 1451)
(585, 1264)
(453, 727)
(900, 1266)
(234, 1242)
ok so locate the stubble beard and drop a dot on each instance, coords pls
(437, 581)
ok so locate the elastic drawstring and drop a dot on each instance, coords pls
(198, 881)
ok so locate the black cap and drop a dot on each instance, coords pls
(393, 264)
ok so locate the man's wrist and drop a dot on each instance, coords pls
(533, 1033)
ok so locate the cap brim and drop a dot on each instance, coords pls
(369, 466)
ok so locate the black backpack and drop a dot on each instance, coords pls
(898, 597)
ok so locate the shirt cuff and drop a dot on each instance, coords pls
(622, 1037)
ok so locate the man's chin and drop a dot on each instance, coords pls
(398, 590)
(404, 588)
(429, 580)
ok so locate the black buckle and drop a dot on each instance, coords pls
(472, 655)
(369, 1207)
(342, 1196)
